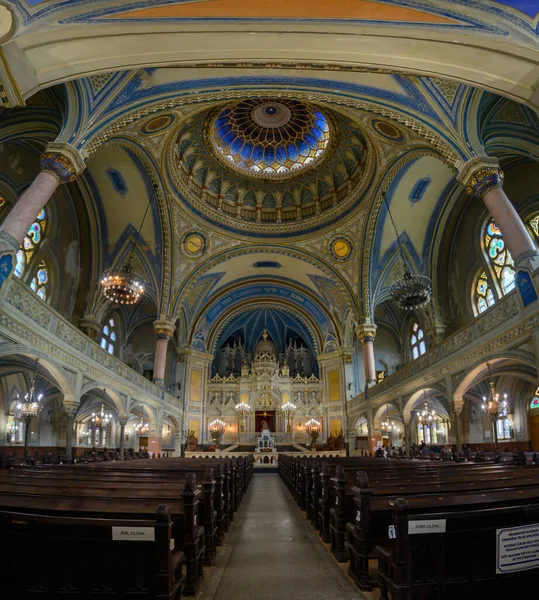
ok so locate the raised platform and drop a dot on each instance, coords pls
(234, 454)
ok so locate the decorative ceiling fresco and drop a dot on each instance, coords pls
(449, 13)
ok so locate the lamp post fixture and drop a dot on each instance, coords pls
(288, 411)
(243, 410)
(312, 429)
(29, 409)
(217, 430)
(493, 407)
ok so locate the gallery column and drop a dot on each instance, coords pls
(60, 163)
(366, 334)
(164, 330)
(483, 178)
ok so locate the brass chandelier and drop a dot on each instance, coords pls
(411, 291)
(120, 285)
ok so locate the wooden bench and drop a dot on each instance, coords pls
(461, 560)
(52, 556)
(129, 503)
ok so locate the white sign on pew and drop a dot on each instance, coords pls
(433, 526)
(517, 548)
(133, 534)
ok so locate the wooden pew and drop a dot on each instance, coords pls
(76, 557)
(460, 562)
(113, 503)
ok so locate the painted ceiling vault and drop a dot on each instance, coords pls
(259, 139)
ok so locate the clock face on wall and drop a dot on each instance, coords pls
(194, 244)
(340, 248)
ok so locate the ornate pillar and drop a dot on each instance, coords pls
(366, 334)
(122, 419)
(71, 406)
(483, 178)
(60, 163)
(164, 330)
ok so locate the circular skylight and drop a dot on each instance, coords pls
(270, 138)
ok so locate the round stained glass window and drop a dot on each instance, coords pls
(270, 138)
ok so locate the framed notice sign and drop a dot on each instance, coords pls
(517, 548)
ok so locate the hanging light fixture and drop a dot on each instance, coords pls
(425, 417)
(101, 419)
(120, 285)
(493, 406)
(411, 291)
(30, 408)
(141, 427)
(386, 425)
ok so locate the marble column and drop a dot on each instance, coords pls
(366, 334)
(483, 178)
(60, 163)
(123, 422)
(163, 331)
(71, 411)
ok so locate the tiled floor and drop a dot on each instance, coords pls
(271, 553)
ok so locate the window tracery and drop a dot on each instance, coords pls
(500, 259)
(40, 282)
(108, 336)
(484, 298)
(417, 341)
(30, 243)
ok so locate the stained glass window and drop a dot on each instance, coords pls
(535, 400)
(30, 243)
(108, 336)
(2, 202)
(504, 429)
(417, 341)
(484, 298)
(40, 282)
(534, 224)
(499, 257)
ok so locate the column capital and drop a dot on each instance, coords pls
(122, 420)
(164, 329)
(63, 161)
(366, 332)
(71, 408)
(481, 175)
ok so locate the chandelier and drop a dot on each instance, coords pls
(101, 419)
(288, 411)
(30, 408)
(425, 417)
(141, 427)
(121, 286)
(411, 291)
(492, 405)
(243, 410)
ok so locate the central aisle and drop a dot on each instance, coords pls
(273, 554)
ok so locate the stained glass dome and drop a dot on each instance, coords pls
(270, 138)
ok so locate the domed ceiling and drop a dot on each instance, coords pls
(270, 165)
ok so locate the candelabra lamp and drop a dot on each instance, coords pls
(493, 407)
(312, 429)
(217, 430)
(288, 411)
(29, 409)
(243, 410)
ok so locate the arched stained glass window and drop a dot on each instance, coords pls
(484, 298)
(535, 400)
(40, 282)
(534, 224)
(108, 336)
(417, 342)
(31, 243)
(499, 257)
